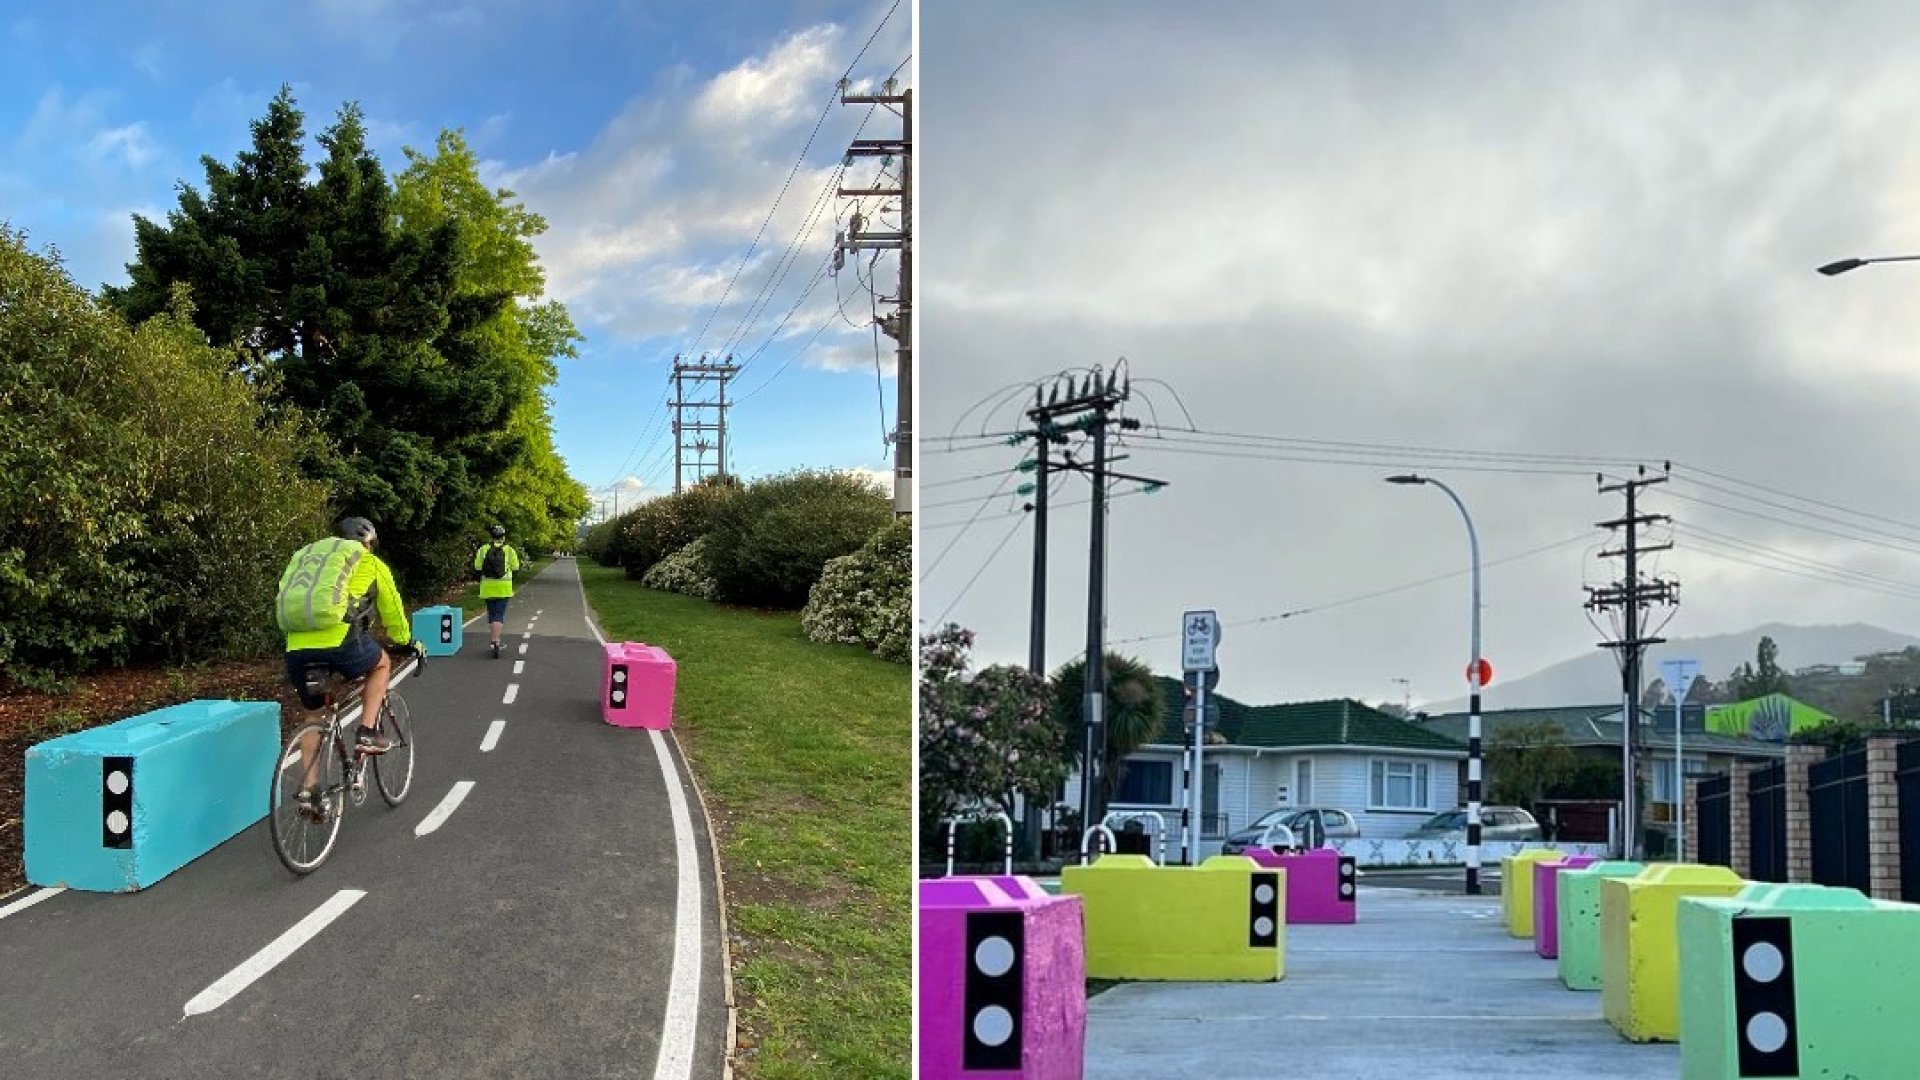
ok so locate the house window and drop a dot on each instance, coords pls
(1400, 785)
(1145, 783)
(1663, 786)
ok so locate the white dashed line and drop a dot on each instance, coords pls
(493, 736)
(445, 810)
(523, 648)
(519, 666)
(268, 958)
(513, 691)
(26, 902)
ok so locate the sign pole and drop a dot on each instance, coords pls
(1200, 636)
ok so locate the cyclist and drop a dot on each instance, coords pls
(351, 650)
(496, 562)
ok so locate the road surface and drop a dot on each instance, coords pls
(543, 906)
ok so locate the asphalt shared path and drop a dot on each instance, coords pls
(542, 904)
(1424, 986)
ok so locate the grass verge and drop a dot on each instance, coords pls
(805, 754)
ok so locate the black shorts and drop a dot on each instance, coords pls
(354, 657)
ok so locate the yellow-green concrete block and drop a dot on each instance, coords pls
(1516, 888)
(1639, 944)
(1222, 921)
(1579, 961)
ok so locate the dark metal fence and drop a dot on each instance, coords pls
(1837, 805)
(1714, 811)
(1767, 812)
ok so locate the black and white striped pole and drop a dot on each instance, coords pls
(1476, 678)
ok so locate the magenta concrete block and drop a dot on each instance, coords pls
(636, 686)
(1003, 981)
(1322, 884)
(1546, 902)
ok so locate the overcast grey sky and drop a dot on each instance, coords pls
(1531, 228)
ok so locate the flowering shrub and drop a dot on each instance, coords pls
(984, 736)
(866, 598)
(681, 572)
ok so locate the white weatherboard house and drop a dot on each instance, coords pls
(1390, 774)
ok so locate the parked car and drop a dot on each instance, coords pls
(1287, 828)
(1498, 824)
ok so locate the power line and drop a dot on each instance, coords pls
(994, 554)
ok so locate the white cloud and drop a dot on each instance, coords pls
(131, 144)
(773, 89)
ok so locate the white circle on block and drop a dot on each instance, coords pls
(994, 957)
(1263, 893)
(1763, 962)
(1263, 926)
(117, 782)
(993, 1025)
(1766, 1032)
(619, 675)
(1346, 888)
(619, 696)
(116, 823)
(1346, 869)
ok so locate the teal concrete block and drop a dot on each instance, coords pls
(119, 807)
(1579, 921)
(438, 629)
(1798, 981)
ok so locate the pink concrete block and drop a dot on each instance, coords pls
(1003, 981)
(636, 686)
(1322, 884)
(1546, 902)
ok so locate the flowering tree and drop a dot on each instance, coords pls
(984, 736)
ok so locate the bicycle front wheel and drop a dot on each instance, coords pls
(303, 834)
(393, 770)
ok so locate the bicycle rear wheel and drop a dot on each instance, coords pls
(393, 770)
(303, 837)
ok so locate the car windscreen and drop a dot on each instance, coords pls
(1453, 820)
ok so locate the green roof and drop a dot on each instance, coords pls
(1337, 722)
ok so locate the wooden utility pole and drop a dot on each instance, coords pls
(899, 324)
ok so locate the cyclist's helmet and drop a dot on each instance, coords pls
(356, 528)
(499, 532)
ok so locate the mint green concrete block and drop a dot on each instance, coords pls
(1798, 981)
(1579, 921)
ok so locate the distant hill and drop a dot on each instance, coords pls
(1595, 678)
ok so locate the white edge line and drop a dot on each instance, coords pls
(513, 691)
(678, 1026)
(448, 805)
(250, 969)
(493, 736)
(18, 906)
(719, 906)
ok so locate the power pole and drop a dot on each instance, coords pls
(702, 371)
(899, 324)
(1083, 403)
(1632, 595)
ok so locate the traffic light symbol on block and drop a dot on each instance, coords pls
(116, 802)
(994, 992)
(617, 687)
(1347, 878)
(1263, 914)
(446, 629)
(1766, 1027)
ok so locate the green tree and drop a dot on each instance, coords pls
(1134, 712)
(1762, 677)
(1528, 761)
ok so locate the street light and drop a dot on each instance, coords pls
(1473, 687)
(1834, 269)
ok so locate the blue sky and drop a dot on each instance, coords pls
(655, 138)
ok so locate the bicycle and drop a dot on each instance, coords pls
(304, 832)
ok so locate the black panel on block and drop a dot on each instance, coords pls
(1349, 879)
(1268, 909)
(617, 684)
(120, 802)
(446, 629)
(1763, 1005)
(995, 993)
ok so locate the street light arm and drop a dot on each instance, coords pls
(1835, 269)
